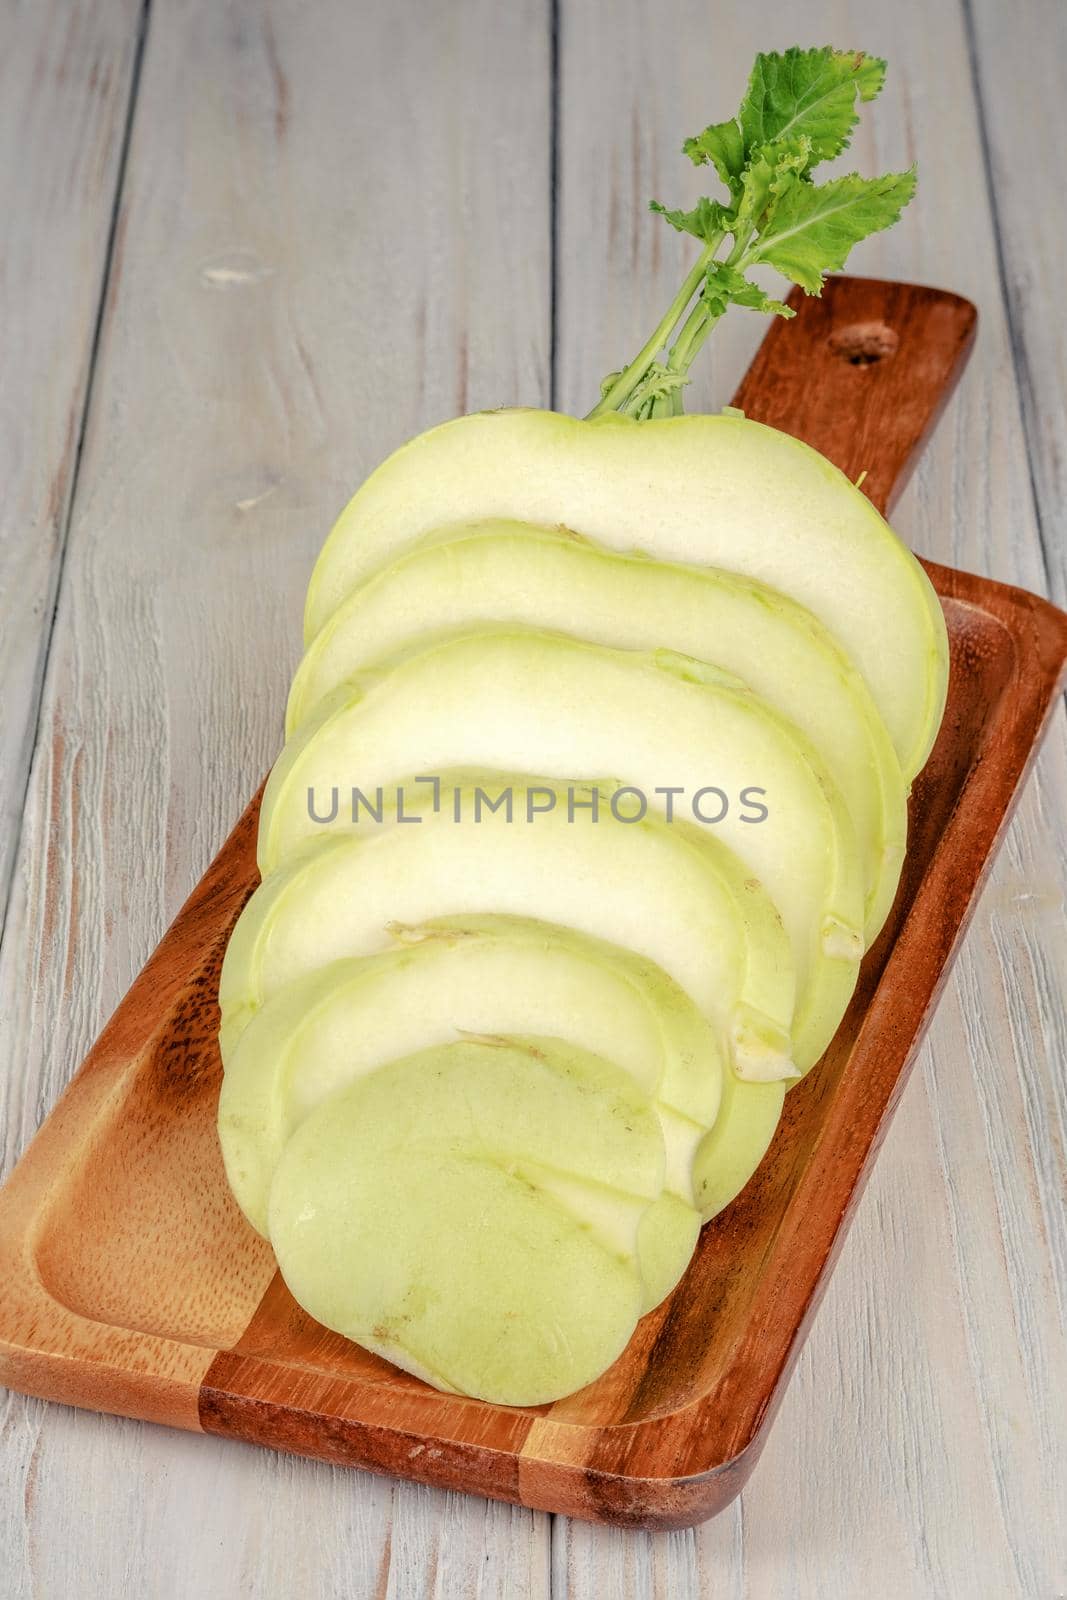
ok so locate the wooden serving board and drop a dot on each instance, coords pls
(133, 1285)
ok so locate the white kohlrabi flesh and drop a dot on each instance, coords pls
(547, 703)
(556, 580)
(489, 976)
(472, 1213)
(719, 491)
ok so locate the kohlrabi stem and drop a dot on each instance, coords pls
(703, 318)
(639, 391)
(616, 397)
(695, 330)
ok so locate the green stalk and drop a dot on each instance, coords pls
(621, 391)
(703, 318)
(695, 330)
(626, 394)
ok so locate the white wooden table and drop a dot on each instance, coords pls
(247, 248)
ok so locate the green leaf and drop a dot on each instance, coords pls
(814, 226)
(809, 93)
(800, 108)
(723, 146)
(725, 286)
(870, 76)
(708, 219)
(767, 176)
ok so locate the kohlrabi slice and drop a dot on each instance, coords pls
(492, 974)
(487, 976)
(668, 891)
(550, 578)
(719, 491)
(749, 1114)
(675, 728)
(671, 892)
(471, 1213)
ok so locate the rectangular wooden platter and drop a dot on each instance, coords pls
(132, 1284)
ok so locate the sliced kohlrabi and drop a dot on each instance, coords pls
(472, 1214)
(720, 491)
(684, 735)
(668, 891)
(478, 975)
(553, 579)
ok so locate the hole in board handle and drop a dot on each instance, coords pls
(861, 344)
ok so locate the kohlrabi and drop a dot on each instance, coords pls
(487, 1065)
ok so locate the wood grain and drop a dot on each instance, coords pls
(65, 85)
(119, 1216)
(333, 233)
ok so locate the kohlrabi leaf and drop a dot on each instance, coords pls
(809, 93)
(800, 108)
(814, 226)
(725, 286)
(769, 172)
(870, 76)
(708, 219)
(723, 146)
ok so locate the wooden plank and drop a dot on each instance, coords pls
(1018, 54)
(65, 78)
(334, 231)
(952, 1373)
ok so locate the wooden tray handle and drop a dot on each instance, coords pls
(862, 374)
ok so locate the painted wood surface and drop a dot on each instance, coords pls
(66, 75)
(1018, 56)
(921, 1449)
(302, 280)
